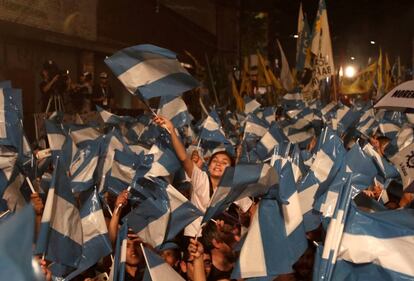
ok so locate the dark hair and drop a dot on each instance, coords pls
(232, 161)
(211, 231)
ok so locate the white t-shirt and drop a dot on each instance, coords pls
(200, 197)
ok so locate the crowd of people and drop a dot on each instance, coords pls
(286, 158)
(75, 97)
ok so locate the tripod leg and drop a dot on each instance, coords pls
(55, 100)
(48, 105)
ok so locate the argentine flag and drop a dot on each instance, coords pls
(150, 71)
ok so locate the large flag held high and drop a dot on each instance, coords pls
(321, 45)
(150, 71)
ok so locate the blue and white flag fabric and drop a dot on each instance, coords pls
(174, 108)
(164, 163)
(381, 242)
(113, 119)
(367, 124)
(268, 115)
(404, 161)
(254, 127)
(11, 114)
(118, 267)
(143, 131)
(16, 238)
(328, 159)
(329, 111)
(150, 71)
(404, 138)
(13, 192)
(294, 100)
(8, 160)
(265, 243)
(298, 167)
(345, 118)
(362, 171)
(334, 234)
(83, 135)
(60, 239)
(212, 130)
(96, 244)
(111, 142)
(291, 210)
(244, 180)
(385, 168)
(126, 169)
(82, 169)
(158, 269)
(250, 105)
(274, 136)
(162, 215)
(390, 122)
(60, 143)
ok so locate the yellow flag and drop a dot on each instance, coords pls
(236, 95)
(269, 76)
(387, 75)
(380, 84)
(362, 83)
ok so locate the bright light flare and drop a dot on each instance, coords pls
(350, 71)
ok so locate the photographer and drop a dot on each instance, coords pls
(54, 84)
(82, 93)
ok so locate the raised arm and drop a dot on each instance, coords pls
(177, 144)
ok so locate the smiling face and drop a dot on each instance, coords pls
(133, 253)
(218, 164)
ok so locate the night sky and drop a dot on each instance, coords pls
(353, 24)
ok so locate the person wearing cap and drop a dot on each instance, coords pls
(204, 184)
(102, 92)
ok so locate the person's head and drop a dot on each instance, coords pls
(103, 78)
(219, 239)
(379, 143)
(171, 254)
(218, 163)
(133, 253)
(86, 77)
(187, 266)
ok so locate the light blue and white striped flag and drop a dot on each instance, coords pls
(367, 124)
(334, 234)
(250, 105)
(16, 238)
(377, 246)
(60, 235)
(274, 136)
(83, 135)
(96, 244)
(174, 109)
(83, 167)
(291, 210)
(150, 71)
(158, 269)
(212, 130)
(264, 244)
(118, 267)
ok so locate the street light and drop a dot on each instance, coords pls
(295, 36)
(372, 42)
(350, 71)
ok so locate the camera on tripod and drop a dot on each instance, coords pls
(61, 83)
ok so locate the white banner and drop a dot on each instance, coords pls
(404, 161)
(401, 96)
